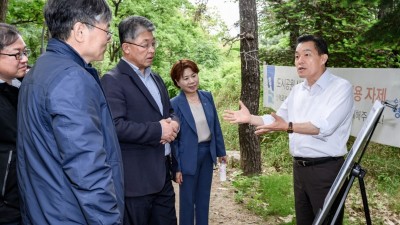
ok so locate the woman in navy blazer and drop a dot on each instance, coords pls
(198, 144)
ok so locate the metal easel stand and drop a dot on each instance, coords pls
(357, 172)
(334, 203)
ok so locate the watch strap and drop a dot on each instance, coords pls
(290, 128)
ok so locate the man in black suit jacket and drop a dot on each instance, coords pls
(145, 126)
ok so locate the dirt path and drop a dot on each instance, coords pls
(223, 208)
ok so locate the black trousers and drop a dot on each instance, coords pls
(311, 185)
(153, 209)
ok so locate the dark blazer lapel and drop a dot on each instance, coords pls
(125, 68)
(183, 105)
(208, 109)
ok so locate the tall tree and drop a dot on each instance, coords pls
(342, 24)
(177, 34)
(3, 10)
(27, 16)
(250, 153)
(386, 31)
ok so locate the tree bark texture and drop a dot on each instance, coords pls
(250, 153)
(3, 10)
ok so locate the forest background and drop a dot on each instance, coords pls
(360, 34)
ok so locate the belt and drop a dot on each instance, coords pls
(314, 161)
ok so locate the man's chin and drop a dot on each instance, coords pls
(149, 63)
(301, 75)
(20, 74)
(100, 58)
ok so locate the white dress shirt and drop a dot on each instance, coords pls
(329, 106)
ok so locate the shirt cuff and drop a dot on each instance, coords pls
(267, 119)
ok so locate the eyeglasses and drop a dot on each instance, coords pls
(19, 55)
(109, 33)
(147, 46)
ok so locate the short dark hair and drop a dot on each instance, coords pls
(319, 43)
(132, 26)
(178, 68)
(61, 15)
(8, 35)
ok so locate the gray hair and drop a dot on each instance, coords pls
(61, 15)
(8, 35)
(130, 28)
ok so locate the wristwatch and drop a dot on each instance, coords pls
(290, 128)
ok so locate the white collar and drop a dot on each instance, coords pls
(14, 82)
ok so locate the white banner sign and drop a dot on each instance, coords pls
(369, 85)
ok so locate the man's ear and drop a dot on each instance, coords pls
(324, 58)
(79, 31)
(125, 48)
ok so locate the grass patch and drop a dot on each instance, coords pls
(266, 196)
(383, 178)
(270, 195)
(275, 188)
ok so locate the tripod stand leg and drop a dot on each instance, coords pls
(364, 197)
(338, 206)
(359, 173)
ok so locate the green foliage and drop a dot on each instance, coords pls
(343, 24)
(386, 30)
(275, 188)
(275, 152)
(27, 16)
(224, 83)
(22, 12)
(382, 180)
(382, 165)
(264, 194)
(179, 36)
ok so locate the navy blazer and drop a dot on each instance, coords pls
(186, 144)
(136, 117)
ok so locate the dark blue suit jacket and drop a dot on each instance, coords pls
(136, 117)
(186, 144)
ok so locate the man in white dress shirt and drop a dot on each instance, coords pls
(317, 114)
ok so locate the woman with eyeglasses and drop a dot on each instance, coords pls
(197, 145)
(13, 66)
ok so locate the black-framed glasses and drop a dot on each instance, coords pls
(19, 55)
(147, 46)
(109, 33)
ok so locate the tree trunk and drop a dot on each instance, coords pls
(3, 10)
(293, 35)
(250, 154)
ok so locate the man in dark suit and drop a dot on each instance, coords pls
(145, 126)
